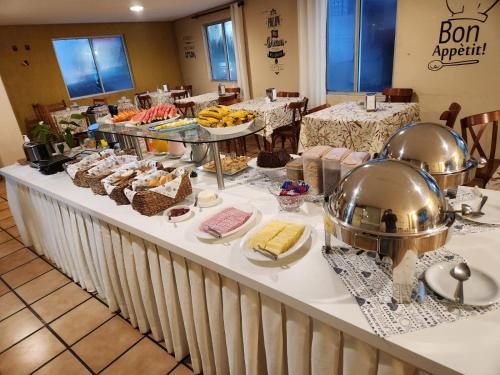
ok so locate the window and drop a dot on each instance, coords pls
(221, 51)
(92, 66)
(360, 44)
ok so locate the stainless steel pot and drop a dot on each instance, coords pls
(393, 208)
(436, 149)
(36, 152)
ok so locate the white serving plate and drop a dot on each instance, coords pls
(480, 289)
(229, 130)
(211, 204)
(178, 219)
(254, 255)
(247, 225)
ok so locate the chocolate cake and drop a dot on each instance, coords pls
(273, 159)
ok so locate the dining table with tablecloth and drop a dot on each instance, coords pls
(350, 125)
(163, 97)
(230, 314)
(65, 115)
(272, 114)
(202, 101)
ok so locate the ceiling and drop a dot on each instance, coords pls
(29, 12)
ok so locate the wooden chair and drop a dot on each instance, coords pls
(188, 88)
(145, 101)
(482, 121)
(43, 112)
(179, 95)
(234, 90)
(292, 131)
(228, 99)
(100, 101)
(395, 95)
(185, 109)
(287, 94)
(451, 114)
(317, 109)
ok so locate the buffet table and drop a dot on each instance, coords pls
(232, 316)
(350, 125)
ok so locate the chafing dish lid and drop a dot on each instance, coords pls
(435, 148)
(389, 198)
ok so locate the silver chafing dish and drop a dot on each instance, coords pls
(434, 148)
(393, 208)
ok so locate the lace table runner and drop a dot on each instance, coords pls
(369, 281)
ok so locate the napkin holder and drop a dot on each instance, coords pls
(222, 89)
(371, 102)
(271, 94)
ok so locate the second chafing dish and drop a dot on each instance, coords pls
(394, 208)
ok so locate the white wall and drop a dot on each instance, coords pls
(10, 139)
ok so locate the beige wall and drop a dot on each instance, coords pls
(11, 140)
(196, 71)
(475, 87)
(260, 66)
(261, 76)
(151, 51)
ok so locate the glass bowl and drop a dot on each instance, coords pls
(288, 203)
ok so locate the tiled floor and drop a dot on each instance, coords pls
(50, 326)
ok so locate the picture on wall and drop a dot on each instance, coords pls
(275, 44)
(459, 41)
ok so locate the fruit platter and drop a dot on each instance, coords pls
(160, 112)
(221, 120)
(174, 125)
(124, 116)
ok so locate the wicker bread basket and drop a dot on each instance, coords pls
(150, 203)
(84, 179)
(118, 195)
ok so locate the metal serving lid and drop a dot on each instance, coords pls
(435, 148)
(389, 206)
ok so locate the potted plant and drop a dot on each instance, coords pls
(59, 138)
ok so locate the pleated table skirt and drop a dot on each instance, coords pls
(225, 327)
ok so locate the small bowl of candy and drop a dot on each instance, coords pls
(290, 194)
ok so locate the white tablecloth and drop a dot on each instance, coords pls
(230, 315)
(350, 125)
(271, 114)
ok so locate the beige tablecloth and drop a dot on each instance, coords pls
(350, 125)
(65, 115)
(162, 97)
(272, 114)
(202, 101)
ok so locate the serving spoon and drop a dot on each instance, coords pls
(460, 272)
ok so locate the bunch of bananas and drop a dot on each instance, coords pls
(222, 117)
